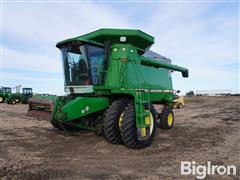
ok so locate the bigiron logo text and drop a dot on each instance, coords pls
(201, 171)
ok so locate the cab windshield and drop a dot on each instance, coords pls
(82, 64)
(27, 91)
(6, 90)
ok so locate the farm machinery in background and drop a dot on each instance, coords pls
(178, 101)
(14, 97)
(6, 95)
(112, 81)
(26, 94)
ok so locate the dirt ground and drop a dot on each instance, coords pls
(206, 129)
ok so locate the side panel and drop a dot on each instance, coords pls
(144, 77)
(114, 73)
(126, 72)
(82, 106)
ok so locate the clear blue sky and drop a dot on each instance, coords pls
(201, 36)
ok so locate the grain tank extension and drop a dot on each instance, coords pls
(112, 81)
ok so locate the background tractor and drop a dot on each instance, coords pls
(112, 81)
(5, 92)
(13, 98)
(178, 101)
(27, 93)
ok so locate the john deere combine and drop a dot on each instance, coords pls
(112, 82)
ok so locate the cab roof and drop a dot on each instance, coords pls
(135, 37)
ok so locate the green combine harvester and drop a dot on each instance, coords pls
(112, 81)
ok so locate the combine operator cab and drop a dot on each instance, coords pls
(83, 66)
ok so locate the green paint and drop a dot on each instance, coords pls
(124, 72)
(82, 106)
(137, 38)
(6, 94)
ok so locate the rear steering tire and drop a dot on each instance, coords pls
(166, 118)
(113, 121)
(13, 102)
(129, 130)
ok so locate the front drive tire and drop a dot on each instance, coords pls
(113, 121)
(129, 130)
(166, 118)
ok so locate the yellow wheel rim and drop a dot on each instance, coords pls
(149, 121)
(120, 120)
(1, 99)
(170, 119)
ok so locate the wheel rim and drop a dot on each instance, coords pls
(149, 120)
(1, 99)
(120, 120)
(170, 119)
